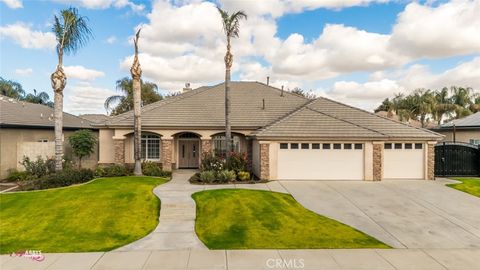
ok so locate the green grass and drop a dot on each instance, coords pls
(469, 185)
(99, 216)
(252, 219)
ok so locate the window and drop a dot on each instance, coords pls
(347, 146)
(315, 146)
(418, 146)
(294, 146)
(305, 146)
(150, 147)
(42, 140)
(337, 146)
(358, 146)
(475, 141)
(388, 146)
(398, 146)
(408, 146)
(283, 145)
(220, 147)
(326, 146)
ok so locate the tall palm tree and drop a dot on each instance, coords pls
(72, 33)
(231, 27)
(11, 89)
(462, 98)
(39, 98)
(118, 104)
(443, 106)
(136, 72)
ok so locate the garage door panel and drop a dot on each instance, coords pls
(313, 164)
(403, 164)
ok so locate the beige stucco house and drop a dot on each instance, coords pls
(465, 130)
(285, 136)
(27, 129)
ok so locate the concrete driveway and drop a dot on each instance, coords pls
(401, 213)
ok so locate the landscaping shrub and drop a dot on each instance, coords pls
(211, 163)
(237, 162)
(225, 176)
(207, 176)
(14, 176)
(153, 169)
(38, 168)
(59, 179)
(243, 176)
(112, 171)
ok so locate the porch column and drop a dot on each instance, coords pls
(167, 150)
(264, 161)
(377, 161)
(207, 146)
(119, 150)
(430, 160)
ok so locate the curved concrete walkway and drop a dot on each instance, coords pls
(176, 229)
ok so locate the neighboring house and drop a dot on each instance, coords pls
(27, 129)
(286, 136)
(465, 129)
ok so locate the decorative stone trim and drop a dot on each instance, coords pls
(167, 154)
(119, 149)
(264, 161)
(206, 146)
(377, 161)
(430, 161)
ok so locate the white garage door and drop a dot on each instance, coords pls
(403, 161)
(320, 161)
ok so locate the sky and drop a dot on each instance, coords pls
(355, 51)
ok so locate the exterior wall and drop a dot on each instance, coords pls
(368, 161)
(119, 145)
(430, 173)
(206, 146)
(15, 143)
(377, 161)
(273, 160)
(106, 147)
(256, 158)
(264, 161)
(461, 135)
(166, 154)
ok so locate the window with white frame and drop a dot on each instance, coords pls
(219, 145)
(150, 147)
(475, 141)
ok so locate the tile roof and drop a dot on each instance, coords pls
(205, 107)
(472, 120)
(20, 113)
(95, 118)
(323, 118)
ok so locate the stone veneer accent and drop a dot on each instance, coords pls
(167, 154)
(206, 146)
(377, 161)
(431, 162)
(119, 148)
(264, 161)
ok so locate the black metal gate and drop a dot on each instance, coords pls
(457, 159)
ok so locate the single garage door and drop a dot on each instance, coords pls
(403, 161)
(320, 161)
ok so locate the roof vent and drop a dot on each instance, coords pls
(41, 115)
(268, 80)
(281, 94)
(263, 106)
(187, 87)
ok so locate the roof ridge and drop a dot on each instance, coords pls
(346, 121)
(379, 116)
(280, 90)
(159, 103)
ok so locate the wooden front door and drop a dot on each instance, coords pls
(188, 153)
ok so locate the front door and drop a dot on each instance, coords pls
(188, 153)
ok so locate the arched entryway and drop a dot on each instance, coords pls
(188, 150)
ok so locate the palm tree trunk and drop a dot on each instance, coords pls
(228, 127)
(136, 72)
(58, 80)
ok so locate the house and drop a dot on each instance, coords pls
(27, 129)
(286, 136)
(465, 129)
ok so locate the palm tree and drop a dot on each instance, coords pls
(119, 104)
(11, 89)
(39, 98)
(231, 27)
(443, 106)
(72, 33)
(462, 98)
(136, 72)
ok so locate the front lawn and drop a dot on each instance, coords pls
(469, 185)
(99, 216)
(252, 219)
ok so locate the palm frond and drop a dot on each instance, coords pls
(71, 30)
(113, 100)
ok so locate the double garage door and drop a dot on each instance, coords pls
(320, 161)
(345, 161)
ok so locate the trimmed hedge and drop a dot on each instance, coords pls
(58, 179)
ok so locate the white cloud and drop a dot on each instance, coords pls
(23, 35)
(111, 40)
(24, 72)
(85, 98)
(82, 73)
(13, 4)
(452, 28)
(103, 4)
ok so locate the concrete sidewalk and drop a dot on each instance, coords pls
(369, 259)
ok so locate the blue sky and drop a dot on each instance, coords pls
(355, 53)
